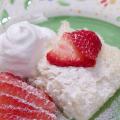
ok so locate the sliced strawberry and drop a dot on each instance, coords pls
(8, 76)
(26, 113)
(64, 55)
(5, 116)
(28, 93)
(22, 101)
(86, 42)
(79, 48)
(17, 88)
(6, 99)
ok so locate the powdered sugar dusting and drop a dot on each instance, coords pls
(30, 114)
(26, 92)
(92, 86)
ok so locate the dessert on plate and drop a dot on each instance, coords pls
(80, 72)
(74, 70)
(21, 47)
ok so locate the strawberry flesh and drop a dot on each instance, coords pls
(13, 85)
(20, 101)
(21, 91)
(9, 76)
(79, 49)
(6, 99)
(64, 55)
(86, 42)
(26, 113)
(6, 116)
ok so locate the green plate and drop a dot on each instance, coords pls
(111, 34)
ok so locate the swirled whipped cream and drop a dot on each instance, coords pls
(22, 46)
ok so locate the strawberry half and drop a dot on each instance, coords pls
(79, 49)
(86, 42)
(64, 55)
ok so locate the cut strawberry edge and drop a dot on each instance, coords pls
(6, 99)
(54, 59)
(63, 55)
(30, 114)
(96, 43)
(5, 116)
(8, 75)
(78, 61)
(67, 53)
(28, 93)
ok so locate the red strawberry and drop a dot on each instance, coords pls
(86, 42)
(5, 116)
(79, 49)
(17, 88)
(22, 90)
(19, 100)
(7, 76)
(64, 55)
(18, 80)
(26, 113)
(6, 99)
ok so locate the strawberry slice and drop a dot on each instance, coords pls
(17, 88)
(7, 76)
(26, 113)
(18, 80)
(79, 49)
(86, 42)
(5, 116)
(23, 102)
(6, 99)
(30, 94)
(64, 55)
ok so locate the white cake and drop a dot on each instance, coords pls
(79, 91)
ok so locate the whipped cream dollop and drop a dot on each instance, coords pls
(22, 46)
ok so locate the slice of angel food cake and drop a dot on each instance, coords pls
(75, 69)
(79, 71)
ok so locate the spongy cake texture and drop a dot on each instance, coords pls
(80, 92)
